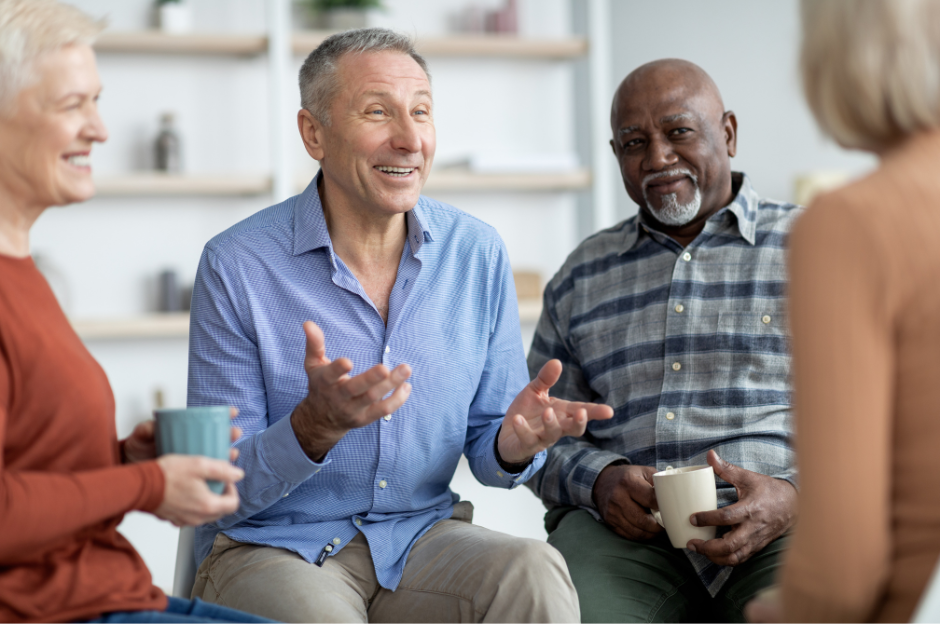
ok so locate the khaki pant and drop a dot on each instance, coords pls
(456, 572)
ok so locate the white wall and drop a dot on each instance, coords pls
(750, 49)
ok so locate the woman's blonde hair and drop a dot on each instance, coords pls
(30, 28)
(871, 68)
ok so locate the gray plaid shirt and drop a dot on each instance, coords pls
(690, 348)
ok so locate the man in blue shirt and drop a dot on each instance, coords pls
(369, 336)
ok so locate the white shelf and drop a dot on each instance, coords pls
(303, 42)
(157, 184)
(176, 325)
(157, 42)
(502, 46)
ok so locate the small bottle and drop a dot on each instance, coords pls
(168, 146)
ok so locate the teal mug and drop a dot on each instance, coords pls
(195, 431)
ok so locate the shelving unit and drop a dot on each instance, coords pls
(156, 42)
(176, 325)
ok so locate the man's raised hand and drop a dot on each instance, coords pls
(535, 421)
(337, 403)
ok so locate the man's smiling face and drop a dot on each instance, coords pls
(673, 142)
(378, 148)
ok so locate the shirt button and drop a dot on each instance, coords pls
(286, 495)
(670, 415)
(686, 256)
(765, 319)
(499, 474)
(337, 541)
(676, 366)
(680, 308)
(383, 483)
(387, 417)
(387, 348)
(358, 522)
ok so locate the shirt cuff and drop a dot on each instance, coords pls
(493, 474)
(285, 457)
(586, 471)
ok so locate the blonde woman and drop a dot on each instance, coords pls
(65, 480)
(865, 306)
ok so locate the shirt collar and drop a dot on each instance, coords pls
(310, 231)
(743, 207)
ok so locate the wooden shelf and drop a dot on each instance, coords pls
(176, 325)
(159, 185)
(157, 42)
(530, 310)
(471, 46)
(465, 180)
(499, 46)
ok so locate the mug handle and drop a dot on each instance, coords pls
(657, 517)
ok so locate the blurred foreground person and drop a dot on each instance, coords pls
(866, 321)
(65, 480)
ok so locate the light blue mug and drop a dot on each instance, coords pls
(195, 431)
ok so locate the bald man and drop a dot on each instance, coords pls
(676, 318)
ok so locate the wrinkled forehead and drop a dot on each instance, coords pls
(642, 103)
(382, 72)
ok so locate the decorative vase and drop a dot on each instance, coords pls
(175, 17)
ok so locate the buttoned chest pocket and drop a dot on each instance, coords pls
(753, 345)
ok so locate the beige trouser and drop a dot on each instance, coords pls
(456, 572)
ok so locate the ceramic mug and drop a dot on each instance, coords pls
(195, 431)
(681, 492)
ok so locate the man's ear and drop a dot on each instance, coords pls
(311, 132)
(729, 124)
(613, 147)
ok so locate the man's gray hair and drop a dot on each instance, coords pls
(29, 29)
(319, 82)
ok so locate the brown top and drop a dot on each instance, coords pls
(865, 313)
(62, 489)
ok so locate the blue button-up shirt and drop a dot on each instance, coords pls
(453, 318)
(690, 346)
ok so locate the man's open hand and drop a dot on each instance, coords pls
(535, 421)
(624, 495)
(765, 510)
(337, 403)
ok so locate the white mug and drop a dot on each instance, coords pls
(681, 492)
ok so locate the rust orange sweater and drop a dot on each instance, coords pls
(63, 490)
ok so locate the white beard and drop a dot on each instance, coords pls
(674, 213)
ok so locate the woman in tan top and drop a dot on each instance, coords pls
(865, 313)
(65, 480)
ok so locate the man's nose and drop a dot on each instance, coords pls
(407, 136)
(659, 155)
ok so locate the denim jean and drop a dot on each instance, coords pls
(179, 610)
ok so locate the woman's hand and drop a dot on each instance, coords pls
(187, 499)
(141, 445)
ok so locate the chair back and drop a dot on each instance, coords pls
(185, 575)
